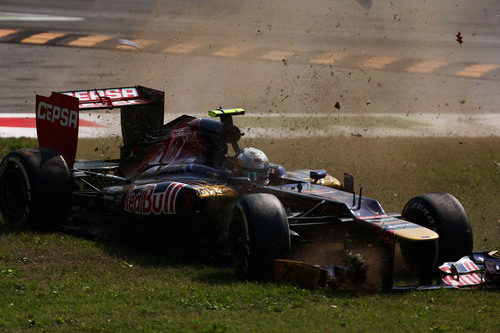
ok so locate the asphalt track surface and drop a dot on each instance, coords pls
(276, 57)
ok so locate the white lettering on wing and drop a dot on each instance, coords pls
(56, 114)
(64, 117)
(40, 112)
(113, 93)
(129, 92)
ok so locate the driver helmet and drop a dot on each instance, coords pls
(253, 163)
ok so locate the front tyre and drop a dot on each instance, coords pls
(444, 214)
(259, 234)
(35, 188)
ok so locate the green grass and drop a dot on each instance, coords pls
(59, 282)
(8, 145)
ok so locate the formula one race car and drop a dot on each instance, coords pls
(178, 184)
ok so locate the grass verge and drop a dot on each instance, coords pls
(58, 282)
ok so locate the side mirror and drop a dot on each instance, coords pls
(317, 175)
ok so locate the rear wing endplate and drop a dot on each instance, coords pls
(57, 116)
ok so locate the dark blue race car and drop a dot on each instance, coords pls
(189, 182)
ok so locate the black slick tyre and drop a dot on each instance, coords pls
(444, 214)
(260, 234)
(35, 188)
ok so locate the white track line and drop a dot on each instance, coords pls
(11, 16)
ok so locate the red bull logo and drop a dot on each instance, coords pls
(146, 200)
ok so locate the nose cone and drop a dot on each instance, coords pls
(416, 234)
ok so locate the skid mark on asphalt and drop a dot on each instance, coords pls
(368, 62)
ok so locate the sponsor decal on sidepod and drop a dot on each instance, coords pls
(144, 199)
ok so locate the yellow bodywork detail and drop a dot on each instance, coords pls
(216, 191)
(416, 234)
(219, 112)
(329, 181)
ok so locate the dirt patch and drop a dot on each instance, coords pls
(102, 148)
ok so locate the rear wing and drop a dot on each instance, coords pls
(109, 98)
(57, 116)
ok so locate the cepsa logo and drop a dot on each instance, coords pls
(93, 95)
(152, 198)
(56, 114)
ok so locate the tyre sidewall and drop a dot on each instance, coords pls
(266, 234)
(13, 162)
(48, 183)
(444, 214)
(239, 228)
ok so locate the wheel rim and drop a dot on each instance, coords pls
(240, 242)
(13, 195)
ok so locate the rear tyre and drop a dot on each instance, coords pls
(444, 214)
(259, 234)
(35, 188)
